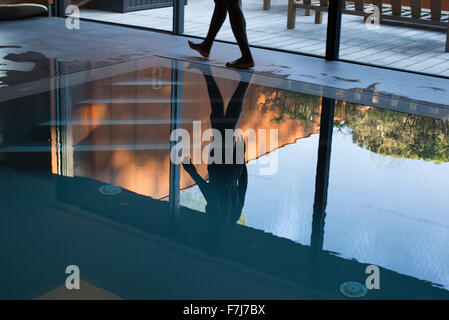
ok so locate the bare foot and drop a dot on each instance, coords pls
(198, 47)
(241, 63)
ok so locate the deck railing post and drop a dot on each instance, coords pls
(307, 11)
(435, 10)
(291, 14)
(416, 8)
(359, 5)
(396, 7)
(266, 4)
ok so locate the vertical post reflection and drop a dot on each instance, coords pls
(62, 116)
(322, 173)
(321, 186)
(175, 123)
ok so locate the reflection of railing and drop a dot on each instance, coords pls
(415, 14)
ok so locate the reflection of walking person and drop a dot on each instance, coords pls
(238, 25)
(225, 191)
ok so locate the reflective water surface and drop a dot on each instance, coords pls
(352, 179)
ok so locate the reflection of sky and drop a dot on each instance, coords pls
(282, 203)
(384, 211)
(389, 212)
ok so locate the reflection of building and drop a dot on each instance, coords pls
(120, 133)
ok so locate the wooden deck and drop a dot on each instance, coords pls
(393, 46)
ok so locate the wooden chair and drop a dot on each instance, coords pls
(414, 14)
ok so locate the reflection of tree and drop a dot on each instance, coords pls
(291, 105)
(242, 220)
(384, 132)
(397, 134)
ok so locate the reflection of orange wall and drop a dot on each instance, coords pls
(254, 115)
(147, 171)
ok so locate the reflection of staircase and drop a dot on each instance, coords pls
(120, 132)
(101, 129)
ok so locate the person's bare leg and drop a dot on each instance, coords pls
(216, 22)
(238, 25)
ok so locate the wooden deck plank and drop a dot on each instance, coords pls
(387, 46)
